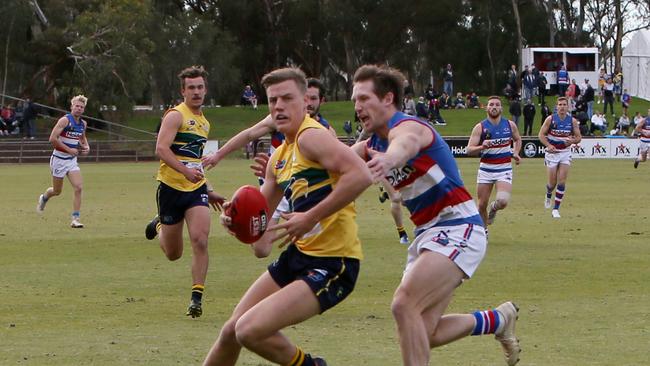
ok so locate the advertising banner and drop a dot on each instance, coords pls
(588, 148)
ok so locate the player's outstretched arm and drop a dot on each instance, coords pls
(240, 140)
(405, 141)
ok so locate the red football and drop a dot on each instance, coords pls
(249, 214)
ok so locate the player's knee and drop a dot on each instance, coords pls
(172, 253)
(199, 243)
(502, 199)
(247, 333)
(78, 188)
(401, 305)
(54, 192)
(228, 330)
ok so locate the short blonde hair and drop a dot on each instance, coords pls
(79, 98)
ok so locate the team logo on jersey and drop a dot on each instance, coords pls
(191, 122)
(280, 164)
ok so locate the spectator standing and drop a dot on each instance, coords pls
(602, 76)
(608, 96)
(535, 71)
(542, 84)
(448, 78)
(588, 98)
(29, 119)
(528, 85)
(515, 111)
(562, 80)
(512, 77)
(625, 101)
(545, 111)
(19, 118)
(529, 117)
(618, 84)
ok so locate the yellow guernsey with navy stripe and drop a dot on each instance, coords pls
(305, 184)
(188, 147)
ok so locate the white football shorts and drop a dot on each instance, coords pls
(484, 177)
(464, 244)
(561, 157)
(61, 167)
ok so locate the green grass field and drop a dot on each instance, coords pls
(103, 295)
(227, 121)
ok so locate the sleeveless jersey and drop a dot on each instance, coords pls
(70, 136)
(496, 158)
(562, 77)
(559, 131)
(645, 131)
(188, 147)
(430, 183)
(305, 183)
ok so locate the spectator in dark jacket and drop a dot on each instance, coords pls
(515, 111)
(29, 119)
(588, 98)
(529, 117)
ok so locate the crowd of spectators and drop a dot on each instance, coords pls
(18, 119)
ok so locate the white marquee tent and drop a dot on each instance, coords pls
(636, 65)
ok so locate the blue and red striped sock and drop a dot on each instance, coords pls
(559, 194)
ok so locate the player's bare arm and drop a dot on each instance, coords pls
(474, 145)
(261, 128)
(577, 136)
(516, 142)
(405, 141)
(319, 146)
(54, 137)
(168, 129)
(543, 131)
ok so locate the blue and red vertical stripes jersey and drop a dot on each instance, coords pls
(645, 130)
(430, 183)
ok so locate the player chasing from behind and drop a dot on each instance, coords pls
(558, 132)
(320, 177)
(643, 130)
(497, 140)
(450, 239)
(183, 193)
(69, 140)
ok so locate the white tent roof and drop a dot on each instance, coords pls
(636, 65)
(639, 45)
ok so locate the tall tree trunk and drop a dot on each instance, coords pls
(489, 49)
(4, 78)
(618, 48)
(520, 41)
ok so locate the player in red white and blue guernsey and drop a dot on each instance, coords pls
(559, 131)
(497, 140)
(450, 239)
(643, 130)
(68, 138)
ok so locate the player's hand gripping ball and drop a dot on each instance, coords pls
(248, 214)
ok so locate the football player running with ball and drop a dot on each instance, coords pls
(320, 177)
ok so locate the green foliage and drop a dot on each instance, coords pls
(103, 295)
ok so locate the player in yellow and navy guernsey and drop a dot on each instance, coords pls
(315, 98)
(450, 239)
(643, 130)
(69, 140)
(183, 193)
(497, 140)
(559, 131)
(320, 177)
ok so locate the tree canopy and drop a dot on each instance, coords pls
(126, 52)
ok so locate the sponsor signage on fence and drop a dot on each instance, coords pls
(588, 148)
